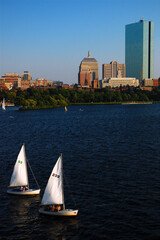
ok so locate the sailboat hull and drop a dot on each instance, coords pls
(27, 192)
(62, 213)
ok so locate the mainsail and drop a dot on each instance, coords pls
(20, 175)
(3, 104)
(54, 190)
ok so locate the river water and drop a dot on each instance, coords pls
(111, 156)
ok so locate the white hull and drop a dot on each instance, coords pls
(66, 212)
(27, 192)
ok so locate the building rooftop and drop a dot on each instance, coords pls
(89, 58)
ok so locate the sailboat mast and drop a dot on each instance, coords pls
(26, 163)
(62, 184)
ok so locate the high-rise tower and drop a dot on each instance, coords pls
(113, 70)
(88, 72)
(26, 76)
(139, 45)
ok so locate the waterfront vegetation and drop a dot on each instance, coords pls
(51, 98)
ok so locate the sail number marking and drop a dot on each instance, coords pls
(20, 162)
(55, 175)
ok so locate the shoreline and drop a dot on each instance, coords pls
(92, 103)
(112, 103)
(9, 104)
(125, 103)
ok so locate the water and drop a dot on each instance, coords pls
(111, 156)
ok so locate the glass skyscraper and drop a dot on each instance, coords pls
(139, 45)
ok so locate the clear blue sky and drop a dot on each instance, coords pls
(49, 38)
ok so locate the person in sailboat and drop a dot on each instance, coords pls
(58, 208)
(52, 208)
(22, 189)
(19, 179)
(26, 188)
(54, 193)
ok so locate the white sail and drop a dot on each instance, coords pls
(19, 175)
(54, 190)
(3, 104)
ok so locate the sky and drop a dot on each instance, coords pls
(49, 38)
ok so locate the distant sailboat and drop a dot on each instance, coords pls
(19, 184)
(54, 194)
(65, 108)
(3, 105)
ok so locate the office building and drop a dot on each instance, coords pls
(151, 82)
(139, 45)
(26, 76)
(88, 75)
(12, 79)
(113, 70)
(41, 82)
(25, 84)
(119, 82)
(25, 80)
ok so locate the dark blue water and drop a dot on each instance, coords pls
(111, 156)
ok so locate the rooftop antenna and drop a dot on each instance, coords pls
(89, 53)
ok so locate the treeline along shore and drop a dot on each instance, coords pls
(50, 98)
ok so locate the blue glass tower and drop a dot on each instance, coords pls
(139, 45)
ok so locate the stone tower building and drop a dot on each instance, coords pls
(88, 75)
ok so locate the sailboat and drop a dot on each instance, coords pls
(19, 184)
(3, 105)
(65, 108)
(54, 194)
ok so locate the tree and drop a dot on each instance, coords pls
(30, 103)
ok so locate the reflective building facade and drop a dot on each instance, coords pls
(139, 45)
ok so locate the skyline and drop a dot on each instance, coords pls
(50, 38)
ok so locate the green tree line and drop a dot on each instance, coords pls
(50, 98)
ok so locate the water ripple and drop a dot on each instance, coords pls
(111, 162)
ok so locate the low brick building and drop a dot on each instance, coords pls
(25, 84)
(151, 82)
(12, 78)
(41, 82)
(119, 82)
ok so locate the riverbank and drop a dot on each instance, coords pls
(80, 104)
(137, 103)
(96, 103)
(112, 103)
(34, 99)
(38, 108)
(8, 104)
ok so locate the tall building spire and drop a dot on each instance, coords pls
(89, 54)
